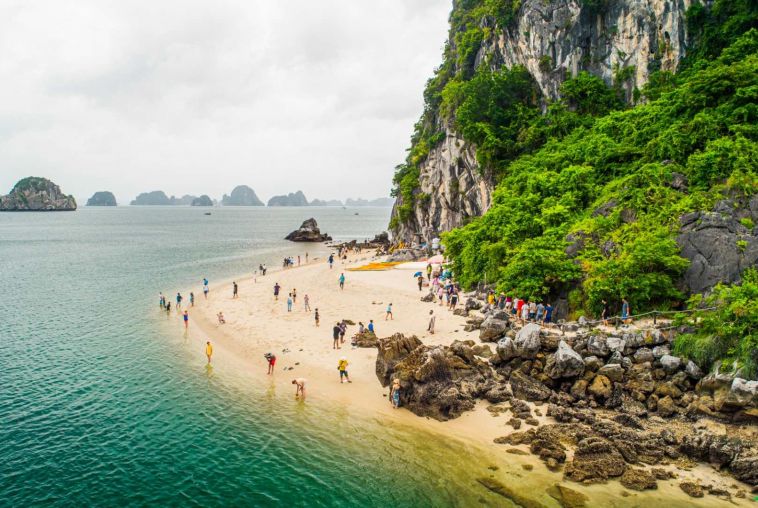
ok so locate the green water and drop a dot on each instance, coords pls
(101, 402)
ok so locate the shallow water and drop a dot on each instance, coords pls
(102, 403)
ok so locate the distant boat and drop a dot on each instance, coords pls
(207, 213)
(356, 213)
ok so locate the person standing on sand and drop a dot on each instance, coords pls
(277, 287)
(336, 336)
(306, 301)
(429, 272)
(371, 325)
(178, 301)
(298, 260)
(388, 315)
(161, 301)
(235, 290)
(192, 299)
(208, 350)
(342, 367)
(420, 282)
(271, 362)
(294, 295)
(331, 260)
(432, 319)
(299, 387)
(186, 319)
(317, 317)
(343, 331)
(289, 303)
(168, 307)
(395, 393)
(205, 287)
(440, 295)
(306, 258)
(342, 281)
(453, 299)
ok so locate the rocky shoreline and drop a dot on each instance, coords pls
(625, 408)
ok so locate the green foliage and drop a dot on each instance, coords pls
(747, 222)
(727, 336)
(595, 157)
(718, 26)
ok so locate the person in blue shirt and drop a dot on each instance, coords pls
(548, 313)
(342, 281)
(371, 326)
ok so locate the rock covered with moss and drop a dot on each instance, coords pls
(35, 194)
(102, 198)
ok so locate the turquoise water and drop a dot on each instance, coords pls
(101, 402)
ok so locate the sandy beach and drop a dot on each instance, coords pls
(257, 323)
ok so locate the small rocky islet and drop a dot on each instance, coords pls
(623, 406)
(308, 232)
(102, 198)
(36, 194)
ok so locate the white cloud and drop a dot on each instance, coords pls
(197, 97)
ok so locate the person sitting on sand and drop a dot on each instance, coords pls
(336, 336)
(432, 320)
(208, 350)
(299, 387)
(342, 367)
(395, 393)
(277, 287)
(388, 315)
(221, 319)
(316, 316)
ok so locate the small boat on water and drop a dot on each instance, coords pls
(207, 213)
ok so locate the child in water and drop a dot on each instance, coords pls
(395, 393)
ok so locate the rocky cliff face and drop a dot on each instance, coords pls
(34, 194)
(621, 42)
(291, 199)
(242, 195)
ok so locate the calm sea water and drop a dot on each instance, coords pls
(102, 404)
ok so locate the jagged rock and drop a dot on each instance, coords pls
(693, 370)
(308, 232)
(460, 312)
(527, 388)
(598, 345)
(506, 350)
(643, 355)
(579, 388)
(515, 423)
(666, 406)
(615, 344)
(102, 198)
(527, 341)
(601, 387)
(595, 460)
(473, 304)
(429, 297)
(692, 489)
(614, 372)
(565, 362)
(661, 351)
(366, 339)
(670, 363)
(710, 241)
(742, 393)
(745, 469)
(391, 351)
(593, 362)
(638, 479)
(492, 329)
(34, 194)
(291, 199)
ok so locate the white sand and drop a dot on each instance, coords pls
(256, 324)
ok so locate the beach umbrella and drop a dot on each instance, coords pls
(417, 274)
(436, 260)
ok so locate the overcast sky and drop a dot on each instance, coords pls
(195, 97)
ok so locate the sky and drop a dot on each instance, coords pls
(195, 97)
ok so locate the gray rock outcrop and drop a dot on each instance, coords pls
(102, 198)
(203, 200)
(308, 232)
(241, 195)
(35, 194)
(565, 362)
(291, 199)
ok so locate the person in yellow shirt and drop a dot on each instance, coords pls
(342, 367)
(208, 350)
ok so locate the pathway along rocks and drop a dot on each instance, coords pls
(621, 400)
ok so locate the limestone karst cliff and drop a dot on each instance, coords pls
(35, 194)
(621, 41)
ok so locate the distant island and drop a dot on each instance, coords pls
(241, 195)
(291, 199)
(35, 194)
(159, 198)
(102, 198)
(321, 202)
(203, 200)
(373, 202)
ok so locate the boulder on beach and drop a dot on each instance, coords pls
(35, 194)
(308, 232)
